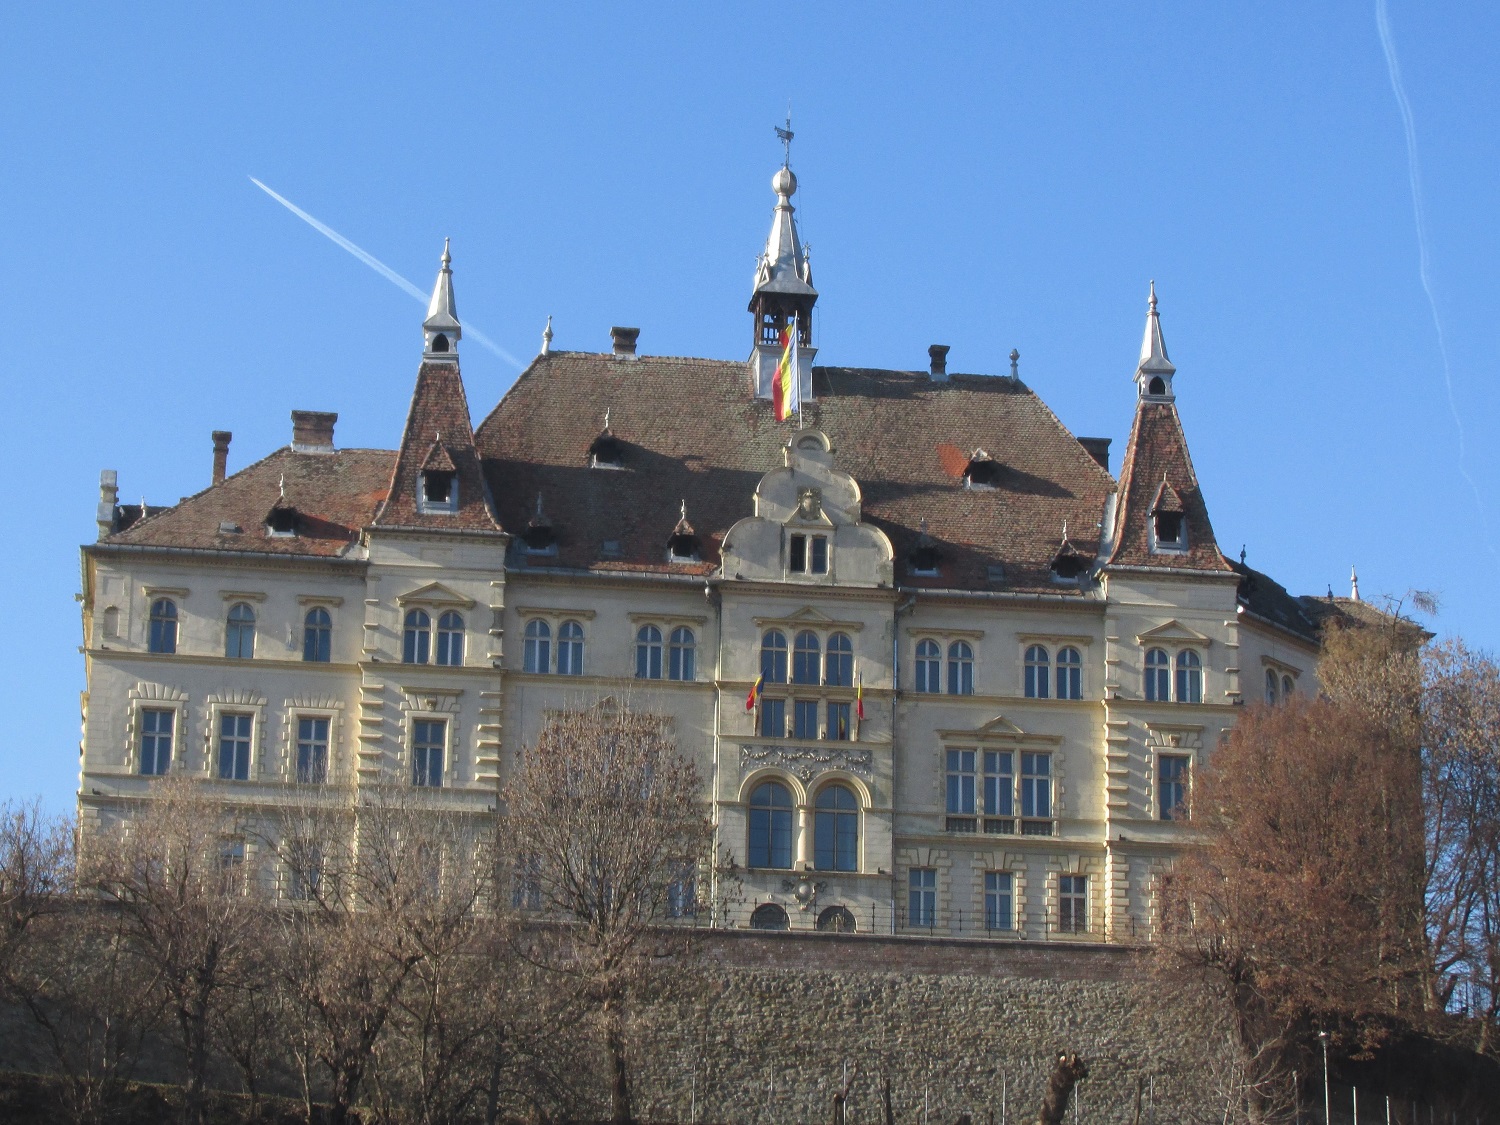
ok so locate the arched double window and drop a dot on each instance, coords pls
(1273, 685)
(836, 920)
(537, 647)
(570, 649)
(838, 665)
(773, 656)
(769, 916)
(681, 654)
(1038, 672)
(416, 637)
(960, 668)
(929, 667)
(1189, 677)
(1288, 689)
(836, 829)
(1069, 673)
(1158, 675)
(648, 653)
(317, 636)
(163, 636)
(239, 632)
(450, 638)
(806, 654)
(770, 843)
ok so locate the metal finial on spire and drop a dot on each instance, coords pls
(786, 136)
(1353, 584)
(606, 419)
(539, 505)
(281, 486)
(441, 327)
(1065, 531)
(684, 509)
(1153, 294)
(547, 337)
(447, 257)
(1242, 554)
(1015, 364)
(1154, 359)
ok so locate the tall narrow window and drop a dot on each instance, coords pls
(838, 665)
(1189, 677)
(537, 647)
(804, 718)
(1171, 785)
(836, 830)
(1158, 676)
(526, 884)
(770, 826)
(234, 746)
(961, 785)
(929, 667)
(921, 899)
(163, 636)
(428, 741)
(570, 649)
(450, 638)
(999, 900)
(773, 718)
(1069, 673)
(773, 657)
(796, 554)
(818, 560)
(840, 725)
(999, 789)
(1272, 684)
(239, 632)
(805, 658)
(1073, 904)
(648, 653)
(416, 637)
(1038, 665)
(1036, 786)
(1287, 688)
(960, 668)
(156, 740)
(317, 636)
(682, 892)
(312, 750)
(681, 653)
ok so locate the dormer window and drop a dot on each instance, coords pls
(607, 452)
(1169, 530)
(925, 559)
(982, 473)
(281, 523)
(540, 541)
(682, 549)
(1069, 563)
(807, 554)
(1168, 521)
(439, 490)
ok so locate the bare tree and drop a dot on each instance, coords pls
(36, 875)
(606, 826)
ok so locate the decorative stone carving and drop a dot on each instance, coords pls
(804, 890)
(810, 503)
(807, 762)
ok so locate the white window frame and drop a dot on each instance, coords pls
(294, 737)
(446, 773)
(433, 507)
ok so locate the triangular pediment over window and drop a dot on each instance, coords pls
(435, 593)
(1173, 631)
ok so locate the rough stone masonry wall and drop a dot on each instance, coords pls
(947, 1021)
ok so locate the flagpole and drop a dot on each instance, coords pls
(797, 362)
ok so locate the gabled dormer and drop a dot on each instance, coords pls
(437, 483)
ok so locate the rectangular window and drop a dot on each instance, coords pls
(819, 555)
(999, 791)
(312, 751)
(1036, 786)
(1171, 785)
(961, 782)
(306, 872)
(682, 893)
(773, 718)
(999, 900)
(234, 746)
(156, 740)
(840, 722)
(232, 865)
(526, 888)
(1073, 904)
(922, 897)
(805, 718)
(796, 556)
(428, 741)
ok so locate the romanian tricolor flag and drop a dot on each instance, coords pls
(786, 397)
(754, 697)
(859, 698)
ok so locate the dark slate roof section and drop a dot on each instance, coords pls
(335, 494)
(439, 413)
(1158, 452)
(690, 430)
(1268, 600)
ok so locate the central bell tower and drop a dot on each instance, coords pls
(783, 292)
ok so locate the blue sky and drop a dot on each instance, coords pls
(988, 176)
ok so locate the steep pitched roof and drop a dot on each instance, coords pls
(1267, 599)
(690, 430)
(1156, 454)
(437, 425)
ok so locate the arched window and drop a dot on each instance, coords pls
(570, 649)
(440, 343)
(317, 636)
(771, 826)
(450, 638)
(929, 666)
(1069, 674)
(836, 830)
(112, 621)
(836, 920)
(537, 648)
(960, 668)
(1158, 675)
(769, 916)
(1189, 677)
(805, 660)
(1272, 686)
(838, 665)
(416, 637)
(1157, 386)
(681, 653)
(1288, 689)
(1038, 666)
(648, 653)
(239, 635)
(773, 657)
(163, 625)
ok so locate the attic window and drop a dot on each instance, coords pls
(1170, 531)
(1068, 567)
(607, 452)
(281, 523)
(610, 549)
(807, 554)
(540, 541)
(925, 560)
(995, 572)
(682, 549)
(439, 489)
(982, 471)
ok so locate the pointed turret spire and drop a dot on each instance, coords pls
(783, 292)
(1354, 584)
(547, 337)
(1154, 372)
(441, 330)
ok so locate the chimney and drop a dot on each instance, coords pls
(624, 340)
(222, 438)
(312, 431)
(938, 353)
(1098, 449)
(109, 495)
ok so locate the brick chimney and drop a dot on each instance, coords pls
(624, 339)
(222, 438)
(1098, 449)
(312, 431)
(938, 354)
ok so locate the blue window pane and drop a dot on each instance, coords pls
(680, 655)
(806, 659)
(312, 751)
(770, 843)
(416, 639)
(648, 653)
(805, 718)
(773, 657)
(537, 647)
(450, 639)
(773, 718)
(570, 649)
(317, 636)
(838, 668)
(929, 667)
(234, 747)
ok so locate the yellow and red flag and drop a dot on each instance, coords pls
(754, 697)
(859, 698)
(786, 397)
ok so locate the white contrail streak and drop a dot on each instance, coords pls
(1424, 261)
(383, 270)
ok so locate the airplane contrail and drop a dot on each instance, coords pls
(1424, 260)
(383, 270)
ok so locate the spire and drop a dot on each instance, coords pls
(441, 330)
(1153, 374)
(783, 290)
(547, 337)
(1354, 584)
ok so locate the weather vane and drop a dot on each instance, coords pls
(786, 136)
